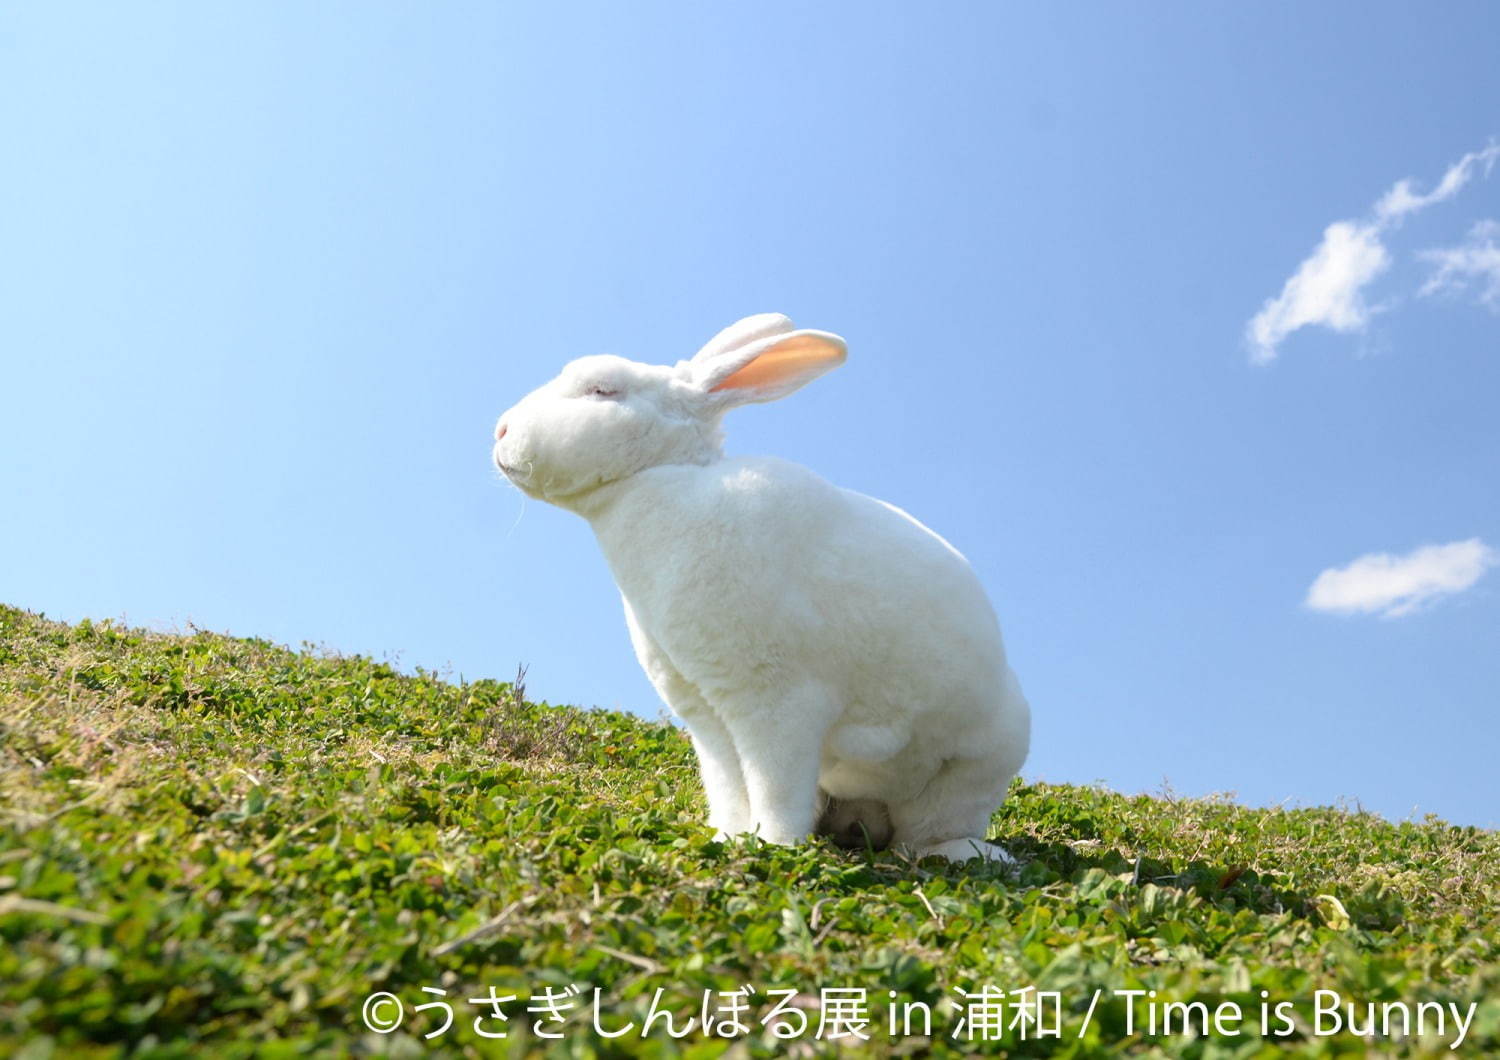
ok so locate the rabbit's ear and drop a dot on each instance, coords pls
(742, 333)
(769, 367)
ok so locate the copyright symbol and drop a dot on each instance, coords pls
(377, 1012)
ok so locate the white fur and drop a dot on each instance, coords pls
(814, 641)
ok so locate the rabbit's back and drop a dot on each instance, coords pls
(748, 570)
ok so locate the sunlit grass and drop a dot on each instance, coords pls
(214, 844)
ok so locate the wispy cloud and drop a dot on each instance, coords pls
(1401, 200)
(1392, 586)
(1476, 259)
(1327, 290)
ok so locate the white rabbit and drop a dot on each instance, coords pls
(836, 663)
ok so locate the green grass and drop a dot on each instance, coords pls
(214, 846)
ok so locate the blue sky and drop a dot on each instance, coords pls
(269, 274)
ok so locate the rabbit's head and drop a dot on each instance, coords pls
(605, 418)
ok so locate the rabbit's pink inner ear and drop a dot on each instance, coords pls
(796, 358)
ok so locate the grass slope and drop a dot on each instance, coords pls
(214, 846)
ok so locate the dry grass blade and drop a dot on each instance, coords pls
(15, 903)
(489, 927)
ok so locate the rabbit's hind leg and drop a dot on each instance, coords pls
(950, 816)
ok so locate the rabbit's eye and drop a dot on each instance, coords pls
(600, 391)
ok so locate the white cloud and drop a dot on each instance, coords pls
(1401, 200)
(1397, 585)
(1327, 289)
(1477, 258)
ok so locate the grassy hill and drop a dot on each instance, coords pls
(215, 846)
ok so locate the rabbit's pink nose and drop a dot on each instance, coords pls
(500, 432)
